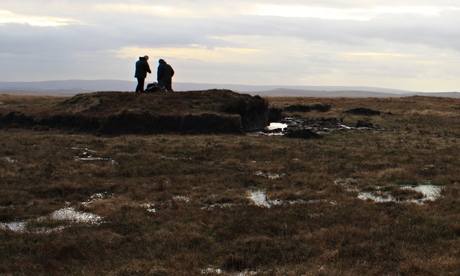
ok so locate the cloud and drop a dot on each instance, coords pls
(8, 17)
(399, 43)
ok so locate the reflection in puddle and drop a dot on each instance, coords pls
(212, 271)
(97, 197)
(69, 214)
(274, 126)
(274, 129)
(430, 193)
(181, 198)
(259, 198)
(8, 159)
(219, 206)
(218, 271)
(269, 175)
(87, 155)
(15, 226)
(149, 207)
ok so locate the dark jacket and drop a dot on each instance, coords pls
(142, 67)
(165, 71)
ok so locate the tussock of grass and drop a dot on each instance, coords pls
(178, 204)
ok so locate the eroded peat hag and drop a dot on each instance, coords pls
(355, 202)
(115, 113)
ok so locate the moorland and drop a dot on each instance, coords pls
(375, 200)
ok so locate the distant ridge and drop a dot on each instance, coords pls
(72, 87)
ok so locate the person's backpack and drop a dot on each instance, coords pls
(152, 87)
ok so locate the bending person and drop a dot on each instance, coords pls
(164, 75)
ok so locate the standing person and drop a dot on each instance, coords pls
(164, 75)
(142, 67)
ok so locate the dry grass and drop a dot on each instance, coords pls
(178, 205)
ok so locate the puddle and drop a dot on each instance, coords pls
(97, 197)
(259, 198)
(212, 271)
(275, 126)
(87, 155)
(181, 198)
(175, 158)
(269, 175)
(15, 226)
(219, 206)
(430, 193)
(22, 227)
(274, 129)
(376, 198)
(92, 158)
(66, 215)
(149, 207)
(348, 183)
(69, 214)
(315, 125)
(218, 271)
(8, 159)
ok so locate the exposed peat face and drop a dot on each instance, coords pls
(115, 113)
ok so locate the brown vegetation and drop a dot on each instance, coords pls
(180, 204)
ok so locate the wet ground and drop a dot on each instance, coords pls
(308, 127)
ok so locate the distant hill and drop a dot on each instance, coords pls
(72, 87)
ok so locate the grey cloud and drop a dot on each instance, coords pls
(83, 48)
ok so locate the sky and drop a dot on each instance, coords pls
(410, 45)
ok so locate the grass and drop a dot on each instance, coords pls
(198, 187)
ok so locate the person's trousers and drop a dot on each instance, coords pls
(167, 84)
(140, 84)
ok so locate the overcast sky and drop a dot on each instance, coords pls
(412, 45)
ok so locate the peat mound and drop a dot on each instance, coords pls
(363, 111)
(113, 113)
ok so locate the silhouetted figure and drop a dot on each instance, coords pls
(164, 75)
(142, 67)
